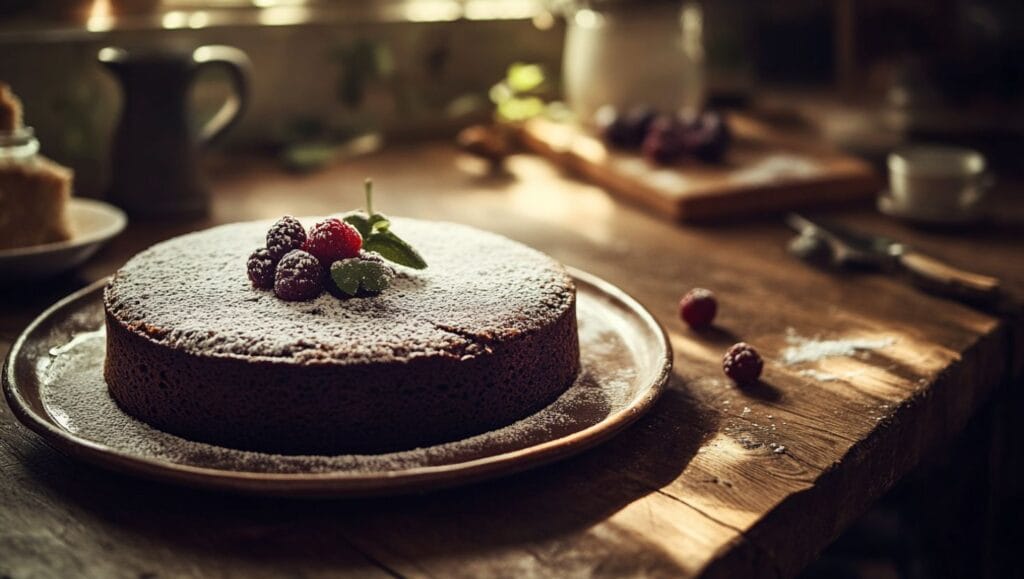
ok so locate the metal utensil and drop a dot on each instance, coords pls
(849, 248)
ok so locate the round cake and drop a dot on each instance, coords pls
(484, 336)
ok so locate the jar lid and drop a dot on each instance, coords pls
(20, 143)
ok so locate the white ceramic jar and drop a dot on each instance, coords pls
(626, 53)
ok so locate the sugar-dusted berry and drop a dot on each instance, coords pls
(299, 276)
(332, 239)
(285, 235)
(261, 268)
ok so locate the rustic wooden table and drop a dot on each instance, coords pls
(699, 487)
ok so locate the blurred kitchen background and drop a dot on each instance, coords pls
(335, 78)
(867, 74)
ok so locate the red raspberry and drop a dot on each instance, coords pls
(261, 268)
(333, 239)
(698, 308)
(285, 235)
(743, 364)
(299, 277)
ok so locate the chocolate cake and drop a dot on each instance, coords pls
(483, 337)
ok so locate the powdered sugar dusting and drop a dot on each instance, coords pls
(76, 396)
(192, 293)
(803, 349)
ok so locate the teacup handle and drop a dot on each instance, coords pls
(239, 68)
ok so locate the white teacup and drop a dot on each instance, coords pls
(930, 179)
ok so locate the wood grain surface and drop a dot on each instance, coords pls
(696, 488)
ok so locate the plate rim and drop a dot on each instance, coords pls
(343, 483)
(119, 221)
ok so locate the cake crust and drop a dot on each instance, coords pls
(485, 336)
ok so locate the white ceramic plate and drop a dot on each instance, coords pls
(93, 223)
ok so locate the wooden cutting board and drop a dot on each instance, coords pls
(765, 170)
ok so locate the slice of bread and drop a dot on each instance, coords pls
(34, 191)
(33, 203)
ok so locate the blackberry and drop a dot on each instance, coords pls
(743, 364)
(626, 130)
(664, 142)
(299, 277)
(285, 235)
(707, 137)
(261, 268)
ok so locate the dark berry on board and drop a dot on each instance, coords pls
(698, 308)
(333, 239)
(664, 142)
(743, 364)
(261, 268)
(707, 137)
(285, 235)
(299, 276)
(625, 130)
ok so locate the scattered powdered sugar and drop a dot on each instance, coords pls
(818, 375)
(77, 340)
(75, 395)
(775, 167)
(812, 350)
(827, 376)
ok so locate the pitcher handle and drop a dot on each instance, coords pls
(239, 68)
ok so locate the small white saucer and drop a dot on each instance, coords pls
(889, 206)
(93, 223)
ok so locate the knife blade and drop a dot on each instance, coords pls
(872, 251)
(849, 247)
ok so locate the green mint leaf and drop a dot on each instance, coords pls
(346, 276)
(393, 249)
(377, 237)
(367, 226)
(379, 223)
(376, 277)
(355, 275)
(360, 222)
